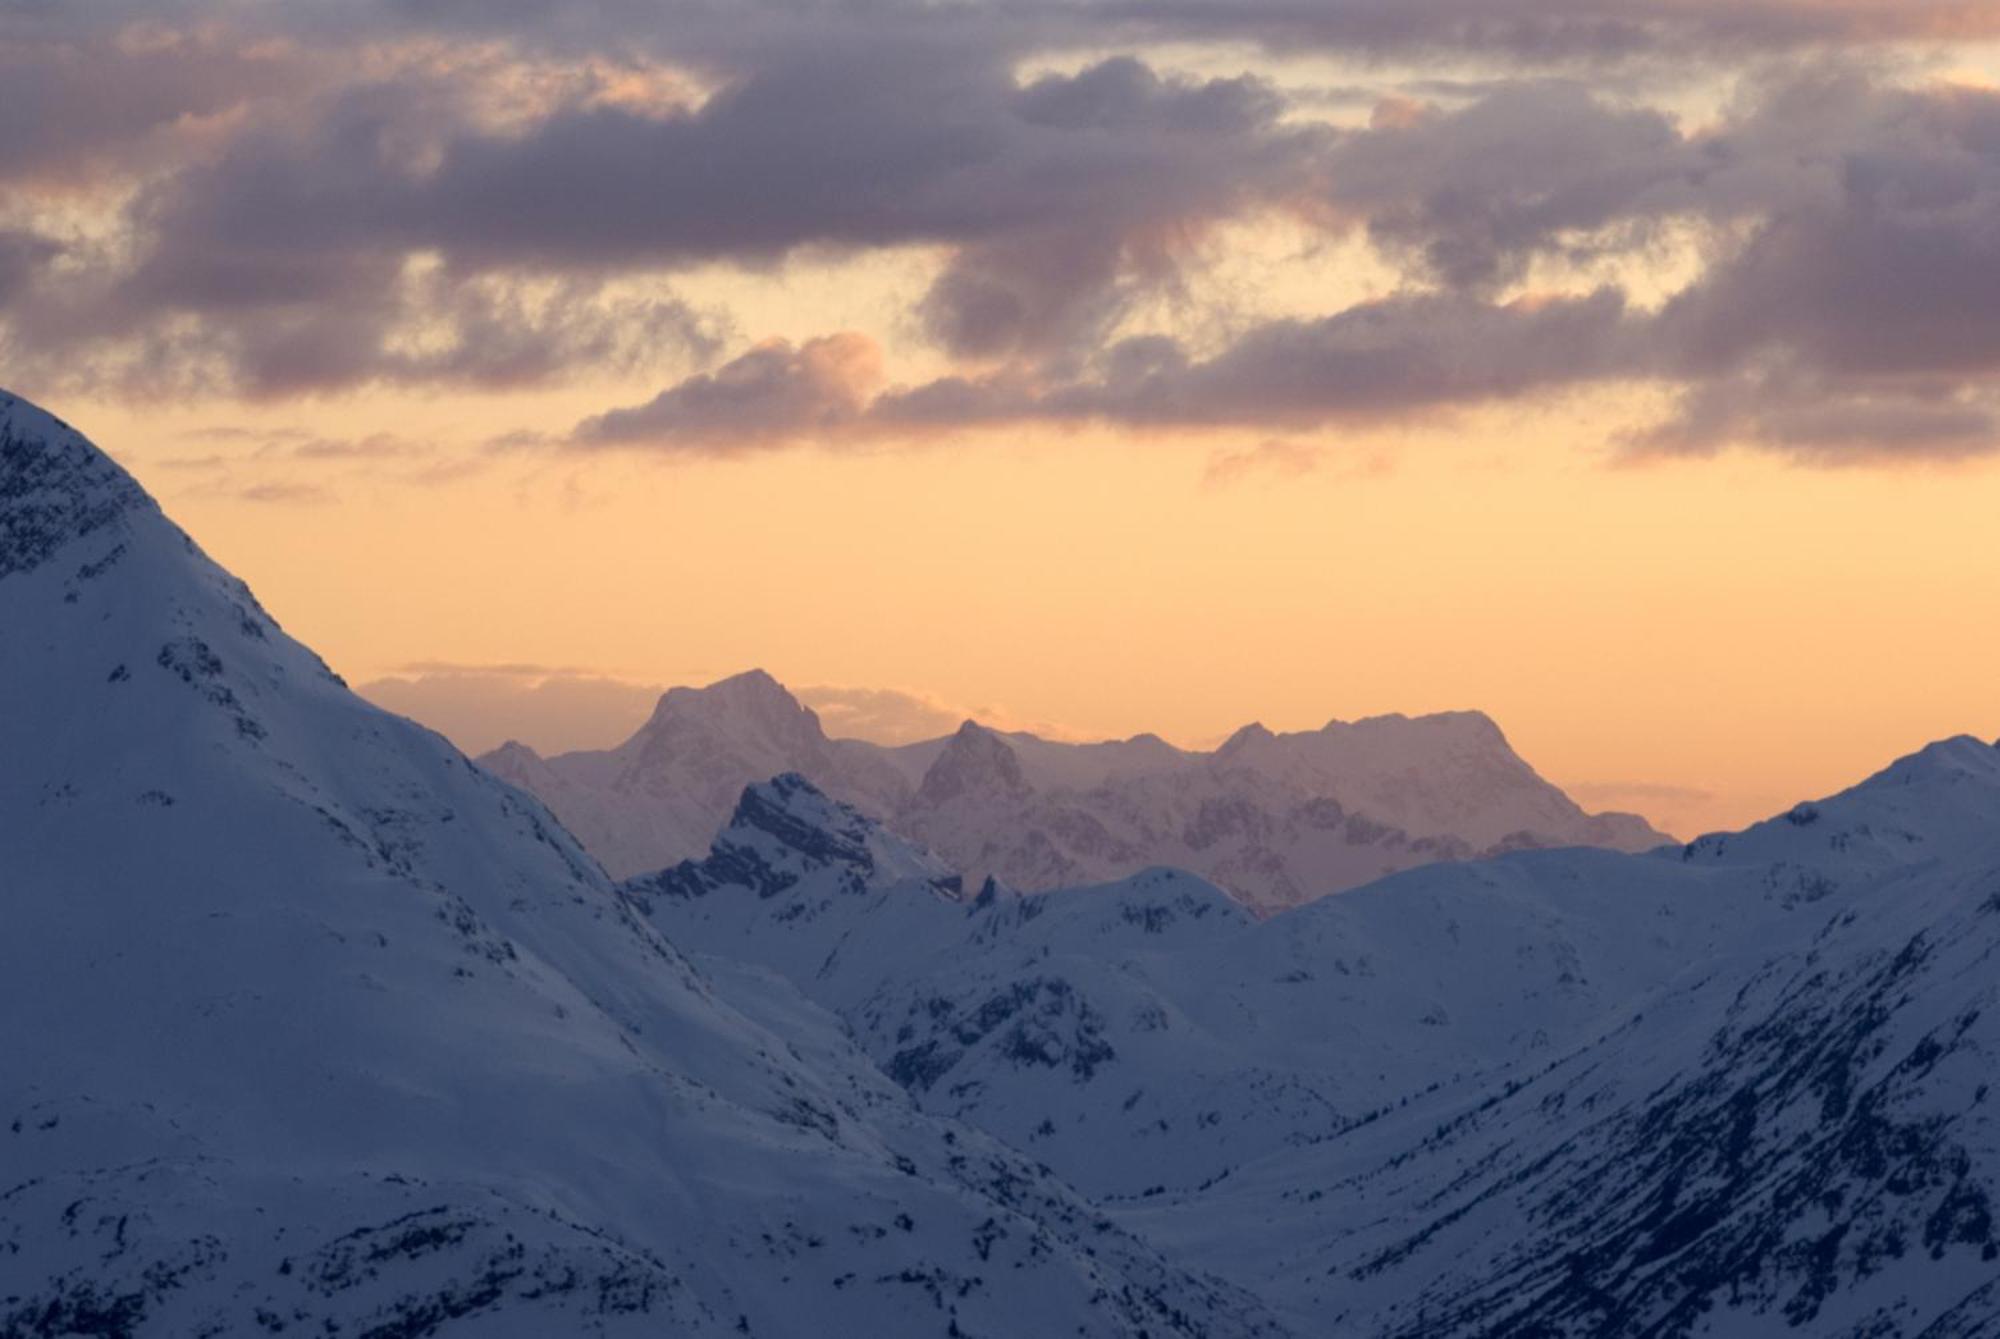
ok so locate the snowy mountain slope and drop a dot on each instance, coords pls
(1727, 1088)
(1151, 1032)
(305, 1021)
(1276, 820)
(1798, 1132)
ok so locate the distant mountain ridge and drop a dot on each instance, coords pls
(1275, 819)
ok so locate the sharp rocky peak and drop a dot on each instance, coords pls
(786, 830)
(803, 818)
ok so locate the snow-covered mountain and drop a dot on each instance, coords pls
(1275, 820)
(660, 796)
(1731, 1088)
(309, 1025)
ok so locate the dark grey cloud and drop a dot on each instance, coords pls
(74, 96)
(1137, 164)
(1555, 31)
(1471, 195)
(1880, 252)
(23, 254)
(283, 258)
(1828, 420)
(1848, 309)
(1061, 198)
(1544, 32)
(1375, 360)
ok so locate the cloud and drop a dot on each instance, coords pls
(77, 100)
(285, 494)
(1829, 421)
(292, 201)
(1559, 31)
(392, 230)
(1469, 197)
(1848, 310)
(551, 709)
(880, 715)
(23, 254)
(777, 392)
(1276, 458)
(1515, 31)
(1414, 353)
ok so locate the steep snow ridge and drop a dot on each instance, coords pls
(1720, 1089)
(309, 1023)
(1276, 820)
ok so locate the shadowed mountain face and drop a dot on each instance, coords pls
(1739, 1087)
(1275, 820)
(308, 1024)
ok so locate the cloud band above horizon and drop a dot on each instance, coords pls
(1791, 231)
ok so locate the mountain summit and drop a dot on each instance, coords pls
(309, 1024)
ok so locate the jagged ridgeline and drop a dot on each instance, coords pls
(308, 1025)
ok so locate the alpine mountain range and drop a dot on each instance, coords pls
(311, 1025)
(1275, 820)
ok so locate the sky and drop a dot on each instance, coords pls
(1624, 370)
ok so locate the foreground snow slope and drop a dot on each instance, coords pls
(308, 1023)
(1725, 1088)
(1275, 820)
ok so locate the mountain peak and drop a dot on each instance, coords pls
(803, 819)
(752, 696)
(975, 762)
(752, 685)
(1950, 761)
(1248, 736)
(749, 713)
(787, 829)
(55, 486)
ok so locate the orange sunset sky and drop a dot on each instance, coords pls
(1626, 372)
